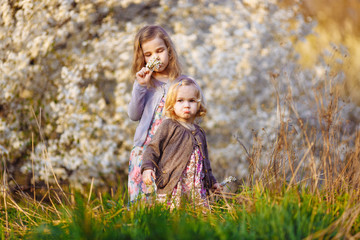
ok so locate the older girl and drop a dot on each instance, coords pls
(156, 66)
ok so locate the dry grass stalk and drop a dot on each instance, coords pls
(298, 167)
(90, 192)
(3, 188)
(46, 157)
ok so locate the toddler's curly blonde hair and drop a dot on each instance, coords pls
(172, 95)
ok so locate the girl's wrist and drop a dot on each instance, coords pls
(141, 86)
(140, 83)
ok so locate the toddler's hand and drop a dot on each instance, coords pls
(143, 76)
(217, 187)
(146, 176)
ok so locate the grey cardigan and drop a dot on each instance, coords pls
(169, 152)
(142, 106)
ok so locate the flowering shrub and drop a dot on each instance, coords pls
(66, 81)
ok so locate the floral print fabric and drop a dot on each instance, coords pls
(190, 186)
(136, 187)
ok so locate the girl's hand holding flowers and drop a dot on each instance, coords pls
(143, 76)
(217, 187)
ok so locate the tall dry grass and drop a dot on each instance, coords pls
(319, 155)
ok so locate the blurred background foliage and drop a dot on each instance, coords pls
(65, 79)
(335, 38)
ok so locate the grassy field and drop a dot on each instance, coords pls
(255, 213)
(308, 189)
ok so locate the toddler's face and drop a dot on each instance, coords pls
(156, 48)
(186, 104)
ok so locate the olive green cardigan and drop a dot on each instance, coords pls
(169, 152)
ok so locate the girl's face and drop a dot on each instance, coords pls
(186, 103)
(156, 48)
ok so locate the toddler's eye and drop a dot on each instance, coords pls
(180, 100)
(192, 100)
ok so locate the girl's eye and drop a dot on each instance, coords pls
(180, 100)
(192, 100)
(160, 50)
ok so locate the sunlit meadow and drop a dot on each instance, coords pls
(281, 84)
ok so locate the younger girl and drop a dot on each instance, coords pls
(177, 156)
(152, 46)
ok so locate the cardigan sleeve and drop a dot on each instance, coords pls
(154, 150)
(137, 102)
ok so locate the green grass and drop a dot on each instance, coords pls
(251, 214)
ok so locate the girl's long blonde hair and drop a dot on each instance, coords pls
(148, 33)
(172, 95)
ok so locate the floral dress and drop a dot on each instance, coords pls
(190, 186)
(136, 187)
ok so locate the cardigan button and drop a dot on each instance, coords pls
(164, 172)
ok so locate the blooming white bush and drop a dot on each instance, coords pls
(66, 81)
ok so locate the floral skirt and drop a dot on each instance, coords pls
(136, 187)
(190, 187)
